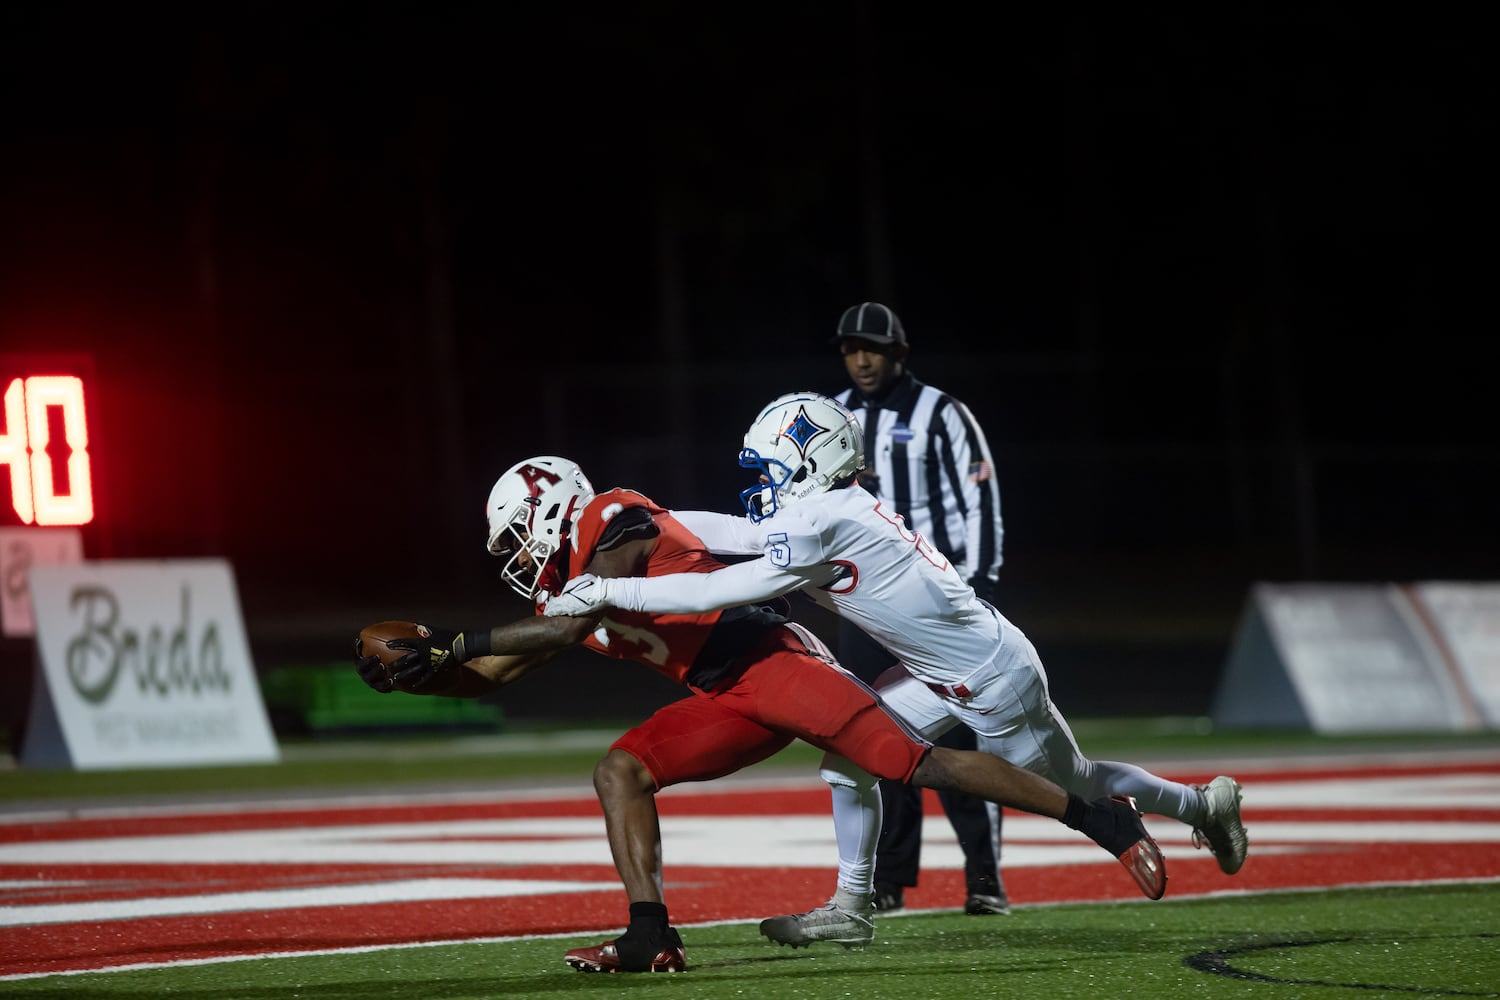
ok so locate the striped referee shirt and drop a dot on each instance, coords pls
(932, 463)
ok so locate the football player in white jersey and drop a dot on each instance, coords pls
(959, 660)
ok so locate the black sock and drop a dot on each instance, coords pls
(1112, 825)
(1073, 815)
(648, 918)
(647, 935)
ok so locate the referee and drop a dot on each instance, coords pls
(927, 458)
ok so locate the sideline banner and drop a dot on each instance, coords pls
(1465, 622)
(1350, 658)
(143, 663)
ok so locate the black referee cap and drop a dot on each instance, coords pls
(871, 321)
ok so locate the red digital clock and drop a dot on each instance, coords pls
(44, 441)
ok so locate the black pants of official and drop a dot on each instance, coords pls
(899, 852)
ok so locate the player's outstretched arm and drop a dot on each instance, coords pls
(723, 534)
(468, 664)
(695, 593)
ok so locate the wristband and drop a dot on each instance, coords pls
(472, 645)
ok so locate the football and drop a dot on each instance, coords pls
(374, 639)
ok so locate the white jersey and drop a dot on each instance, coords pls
(960, 660)
(852, 556)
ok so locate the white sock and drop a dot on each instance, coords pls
(1152, 793)
(846, 900)
(856, 830)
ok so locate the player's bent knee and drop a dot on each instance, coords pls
(881, 745)
(621, 773)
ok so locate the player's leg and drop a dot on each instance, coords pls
(627, 794)
(1212, 809)
(1113, 825)
(688, 739)
(1020, 723)
(812, 695)
(848, 918)
(694, 739)
(892, 869)
(807, 695)
(795, 687)
(899, 857)
(857, 822)
(977, 826)
(798, 688)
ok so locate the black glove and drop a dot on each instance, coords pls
(429, 666)
(984, 588)
(371, 670)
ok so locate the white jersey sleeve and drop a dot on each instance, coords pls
(723, 534)
(791, 558)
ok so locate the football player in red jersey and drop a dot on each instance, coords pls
(757, 680)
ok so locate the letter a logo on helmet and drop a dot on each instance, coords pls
(535, 478)
(530, 512)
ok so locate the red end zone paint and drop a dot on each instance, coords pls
(100, 892)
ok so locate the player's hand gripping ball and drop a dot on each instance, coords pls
(404, 656)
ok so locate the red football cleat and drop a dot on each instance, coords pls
(1143, 859)
(606, 957)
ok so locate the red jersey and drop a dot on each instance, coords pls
(669, 644)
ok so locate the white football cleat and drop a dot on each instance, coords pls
(1222, 832)
(850, 928)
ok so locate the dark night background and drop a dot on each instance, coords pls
(1217, 284)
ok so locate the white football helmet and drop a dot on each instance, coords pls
(531, 509)
(802, 443)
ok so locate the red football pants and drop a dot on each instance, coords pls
(793, 689)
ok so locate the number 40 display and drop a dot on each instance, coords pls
(24, 441)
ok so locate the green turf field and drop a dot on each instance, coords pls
(1439, 941)
(1431, 942)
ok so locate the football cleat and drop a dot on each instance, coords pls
(986, 898)
(1143, 859)
(889, 898)
(979, 905)
(670, 957)
(1222, 832)
(850, 928)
